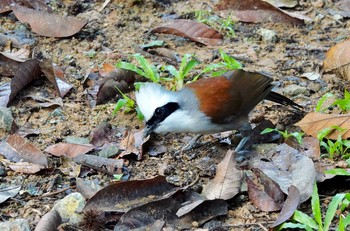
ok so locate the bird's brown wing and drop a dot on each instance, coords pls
(234, 94)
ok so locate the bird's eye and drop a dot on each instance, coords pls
(159, 112)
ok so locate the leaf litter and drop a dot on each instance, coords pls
(179, 168)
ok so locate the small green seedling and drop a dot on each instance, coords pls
(223, 25)
(340, 146)
(305, 222)
(128, 104)
(286, 135)
(146, 70)
(217, 69)
(343, 104)
(319, 105)
(188, 62)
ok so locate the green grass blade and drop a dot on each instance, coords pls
(304, 219)
(190, 65)
(172, 70)
(150, 71)
(315, 205)
(289, 225)
(332, 208)
(131, 67)
(338, 172)
(322, 100)
(267, 130)
(121, 103)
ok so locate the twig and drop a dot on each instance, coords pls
(104, 5)
(56, 192)
(322, 49)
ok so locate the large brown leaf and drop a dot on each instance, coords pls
(315, 122)
(227, 181)
(195, 31)
(47, 24)
(256, 11)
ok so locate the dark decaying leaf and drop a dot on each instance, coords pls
(8, 66)
(122, 196)
(290, 205)
(56, 76)
(86, 187)
(47, 24)
(287, 166)
(102, 134)
(227, 181)
(195, 31)
(257, 11)
(6, 193)
(49, 222)
(26, 73)
(16, 149)
(132, 143)
(164, 210)
(264, 192)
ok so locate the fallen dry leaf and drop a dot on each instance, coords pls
(47, 24)
(6, 193)
(227, 181)
(70, 150)
(8, 66)
(290, 205)
(122, 196)
(315, 122)
(264, 192)
(56, 76)
(17, 149)
(26, 73)
(50, 221)
(283, 3)
(133, 144)
(195, 31)
(337, 60)
(102, 164)
(25, 167)
(257, 11)
(287, 166)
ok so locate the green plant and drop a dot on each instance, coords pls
(343, 104)
(321, 101)
(221, 24)
(217, 69)
(146, 70)
(303, 221)
(339, 146)
(128, 104)
(286, 135)
(188, 62)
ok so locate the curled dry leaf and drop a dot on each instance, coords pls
(8, 66)
(16, 149)
(290, 205)
(227, 181)
(264, 192)
(133, 143)
(195, 31)
(283, 3)
(25, 167)
(6, 193)
(338, 59)
(50, 221)
(26, 73)
(56, 76)
(47, 24)
(315, 122)
(257, 11)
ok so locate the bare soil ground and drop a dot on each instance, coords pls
(112, 35)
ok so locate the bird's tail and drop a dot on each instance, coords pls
(278, 98)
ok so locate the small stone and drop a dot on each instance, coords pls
(6, 118)
(70, 208)
(293, 90)
(18, 225)
(195, 224)
(267, 35)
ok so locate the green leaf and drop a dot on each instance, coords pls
(172, 70)
(139, 114)
(150, 70)
(267, 130)
(323, 133)
(155, 43)
(304, 219)
(121, 103)
(190, 65)
(315, 205)
(298, 136)
(131, 67)
(322, 100)
(289, 225)
(332, 208)
(338, 172)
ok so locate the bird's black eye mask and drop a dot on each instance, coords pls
(161, 113)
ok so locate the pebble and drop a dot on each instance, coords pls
(294, 90)
(6, 118)
(70, 208)
(17, 225)
(268, 36)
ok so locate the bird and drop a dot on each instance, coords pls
(208, 105)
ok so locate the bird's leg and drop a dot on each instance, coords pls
(192, 143)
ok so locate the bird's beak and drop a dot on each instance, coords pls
(147, 131)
